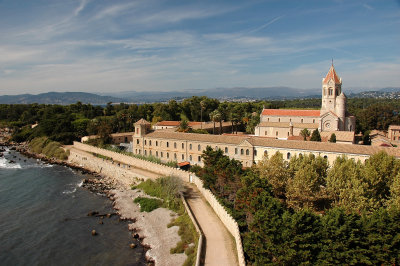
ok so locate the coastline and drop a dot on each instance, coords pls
(150, 228)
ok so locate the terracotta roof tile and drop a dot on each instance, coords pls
(142, 122)
(175, 123)
(332, 75)
(340, 135)
(288, 112)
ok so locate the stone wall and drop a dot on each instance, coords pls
(230, 224)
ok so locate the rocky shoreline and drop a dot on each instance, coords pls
(150, 229)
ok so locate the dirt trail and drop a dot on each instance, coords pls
(219, 244)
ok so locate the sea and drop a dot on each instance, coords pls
(44, 218)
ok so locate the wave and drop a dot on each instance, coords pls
(69, 191)
(5, 164)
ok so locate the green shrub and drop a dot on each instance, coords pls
(148, 204)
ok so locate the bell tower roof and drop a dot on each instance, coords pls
(332, 75)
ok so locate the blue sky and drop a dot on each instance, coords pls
(110, 46)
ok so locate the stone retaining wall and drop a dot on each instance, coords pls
(230, 223)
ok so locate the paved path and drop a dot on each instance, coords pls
(220, 247)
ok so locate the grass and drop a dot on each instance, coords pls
(149, 158)
(168, 189)
(148, 204)
(52, 149)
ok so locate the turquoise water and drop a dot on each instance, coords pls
(43, 219)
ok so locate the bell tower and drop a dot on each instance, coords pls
(331, 89)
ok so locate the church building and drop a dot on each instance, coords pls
(331, 118)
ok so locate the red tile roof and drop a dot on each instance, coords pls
(332, 75)
(286, 112)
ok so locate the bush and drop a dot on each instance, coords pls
(148, 204)
(49, 148)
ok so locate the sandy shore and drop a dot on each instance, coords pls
(152, 227)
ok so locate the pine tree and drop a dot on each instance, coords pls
(315, 136)
(333, 138)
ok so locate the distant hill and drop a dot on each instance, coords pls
(219, 93)
(62, 98)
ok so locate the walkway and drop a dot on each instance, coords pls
(219, 244)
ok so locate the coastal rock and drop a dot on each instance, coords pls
(132, 245)
(94, 232)
(92, 213)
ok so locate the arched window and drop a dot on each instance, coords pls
(156, 143)
(190, 146)
(236, 150)
(301, 120)
(199, 147)
(241, 151)
(313, 120)
(175, 145)
(175, 156)
(226, 149)
(157, 153)
(183, 145)
(150, 153)
(150, 142)
(265, 153)
(167, 155)
(161, 154)
(167, 144)
(266, 133)
(183, 157)
(145, 152)
(145, 142)
(137, 141)
(190, 157)
(247, 152)
(288, 155)
(255, 152)
(279, 120)
(325, 157)
(140, 152)
(199, 158)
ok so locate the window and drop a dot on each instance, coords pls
(288, 134)
(301, 120)
(156, 153)
(190, 146)
(279, 120)
(149, 142)
(167, 144)
(290, 120)
(288, 155)
(140, 152)
(145, 142)
(167, 155)
(241, 152)
(265, 153)
(236, 150)
(161, 154)
(247, 152)
(145, 152)
(136, 151)
(226, 149)
(266, 133)
(199, 158)
(137, 141)
(216, 148)
(137, 130)
(255, 152)
(156, 143)
(183, 145)
(175, 145)
(276, 133)
(325, 157)
(190, 157)
(150, 153)
(175, 156)
(183, 157)
(199, 147)
(330, 91)
(313, 120)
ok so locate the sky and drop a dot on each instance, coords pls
(102, 46)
